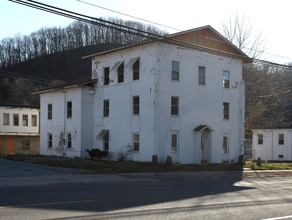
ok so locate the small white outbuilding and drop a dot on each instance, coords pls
(180, 96)
(272, 144)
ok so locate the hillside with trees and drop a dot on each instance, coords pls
(53, 55)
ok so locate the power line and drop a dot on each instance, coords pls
(131, 16)
(108, 24)
(162, 25)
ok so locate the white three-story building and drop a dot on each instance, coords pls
(181, 97)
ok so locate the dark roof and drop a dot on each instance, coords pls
(18, 106)
(87, 81)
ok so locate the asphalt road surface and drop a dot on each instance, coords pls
(227, 197)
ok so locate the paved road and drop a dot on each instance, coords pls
(199, 195)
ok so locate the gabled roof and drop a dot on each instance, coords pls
(87, 81)
(203, 127)
(203, 38)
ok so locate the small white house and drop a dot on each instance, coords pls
(181, 97)
(272, 144)
(19, 130)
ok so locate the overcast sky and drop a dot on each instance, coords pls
(271, 18)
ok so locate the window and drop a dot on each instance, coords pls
(34, 121)
(15, 119)
(226, 79)
(25, 144)
(136, 105)
(174, 105)
(136, 70)
(50, 140)
(136, 141)
(106, 76)
(280, 156)
(105, 108)
(24, 120)
(106, 142)
(6, 119)
(174, 143)
(225, 145)
(260, 139)
(69, 140)
(175, 71)
(50, 111)
(121, 73)
(69, 109)
(226, 110)
(202, 75)
(281, 139)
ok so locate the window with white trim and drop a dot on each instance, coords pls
(106, 76)
(136, 142)
(202, 75)
(50, 140)
(69, 140)
(175, 71)
(121, 73)
(281, 139)
(260, 138)
(69, 109)
(50, 111)
(174, 142)
(105, 108)
(136, 105)
(136, 70)
(174, 105)
(226, 79)
(15, 119)
(6, 121)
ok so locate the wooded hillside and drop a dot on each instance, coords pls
(54, 54)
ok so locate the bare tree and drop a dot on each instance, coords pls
(240, 31)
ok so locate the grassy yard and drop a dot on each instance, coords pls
(103, 167)
(268, 165)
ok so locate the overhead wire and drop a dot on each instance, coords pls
(109, 24)
(131, 16)
(141, 19)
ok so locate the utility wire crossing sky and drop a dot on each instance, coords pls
(266, 17)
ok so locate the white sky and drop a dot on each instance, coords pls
(272, 18)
